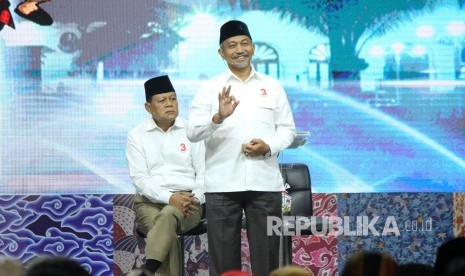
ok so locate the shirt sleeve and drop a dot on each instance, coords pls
(198, 159)
(285, 126)
(143, 182)
(200, 124)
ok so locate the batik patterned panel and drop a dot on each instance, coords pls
(245, 252)
(424, 221)
(318, 254)
(130, 247)
(196, 255)
(459, 215)
(79, 227)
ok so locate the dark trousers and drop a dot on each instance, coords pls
(224, 216)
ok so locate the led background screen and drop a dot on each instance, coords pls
(379, 85)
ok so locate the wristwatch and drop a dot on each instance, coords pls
(268, 154)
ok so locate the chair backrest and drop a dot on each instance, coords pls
(297, 176)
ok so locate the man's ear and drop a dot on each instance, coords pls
(220, 52)
(147, 107)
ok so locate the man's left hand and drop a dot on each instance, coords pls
(191, 205)
(187, 203)
(256, 147)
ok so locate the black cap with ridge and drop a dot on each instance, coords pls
(157, 85)
(233, 28)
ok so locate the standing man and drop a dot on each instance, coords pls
(168, 173)
(245, 120)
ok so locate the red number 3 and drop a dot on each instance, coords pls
(182, 147)
(263, 91)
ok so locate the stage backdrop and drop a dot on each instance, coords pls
(376, 87)
(379, 86)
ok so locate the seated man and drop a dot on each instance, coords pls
(168, 173)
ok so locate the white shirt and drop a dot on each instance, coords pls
(162, 162)
(263, 112)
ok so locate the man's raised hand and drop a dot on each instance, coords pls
(226, 105)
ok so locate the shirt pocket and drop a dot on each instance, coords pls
(264, 114)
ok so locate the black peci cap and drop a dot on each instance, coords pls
(233, 28)
(157, 85)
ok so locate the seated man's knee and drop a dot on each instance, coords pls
(170, 211)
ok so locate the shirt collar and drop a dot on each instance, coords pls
(253, 75)
(151, 126)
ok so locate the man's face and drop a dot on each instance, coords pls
(237, 51)
(163, 107)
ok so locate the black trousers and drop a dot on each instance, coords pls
(224, 216)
